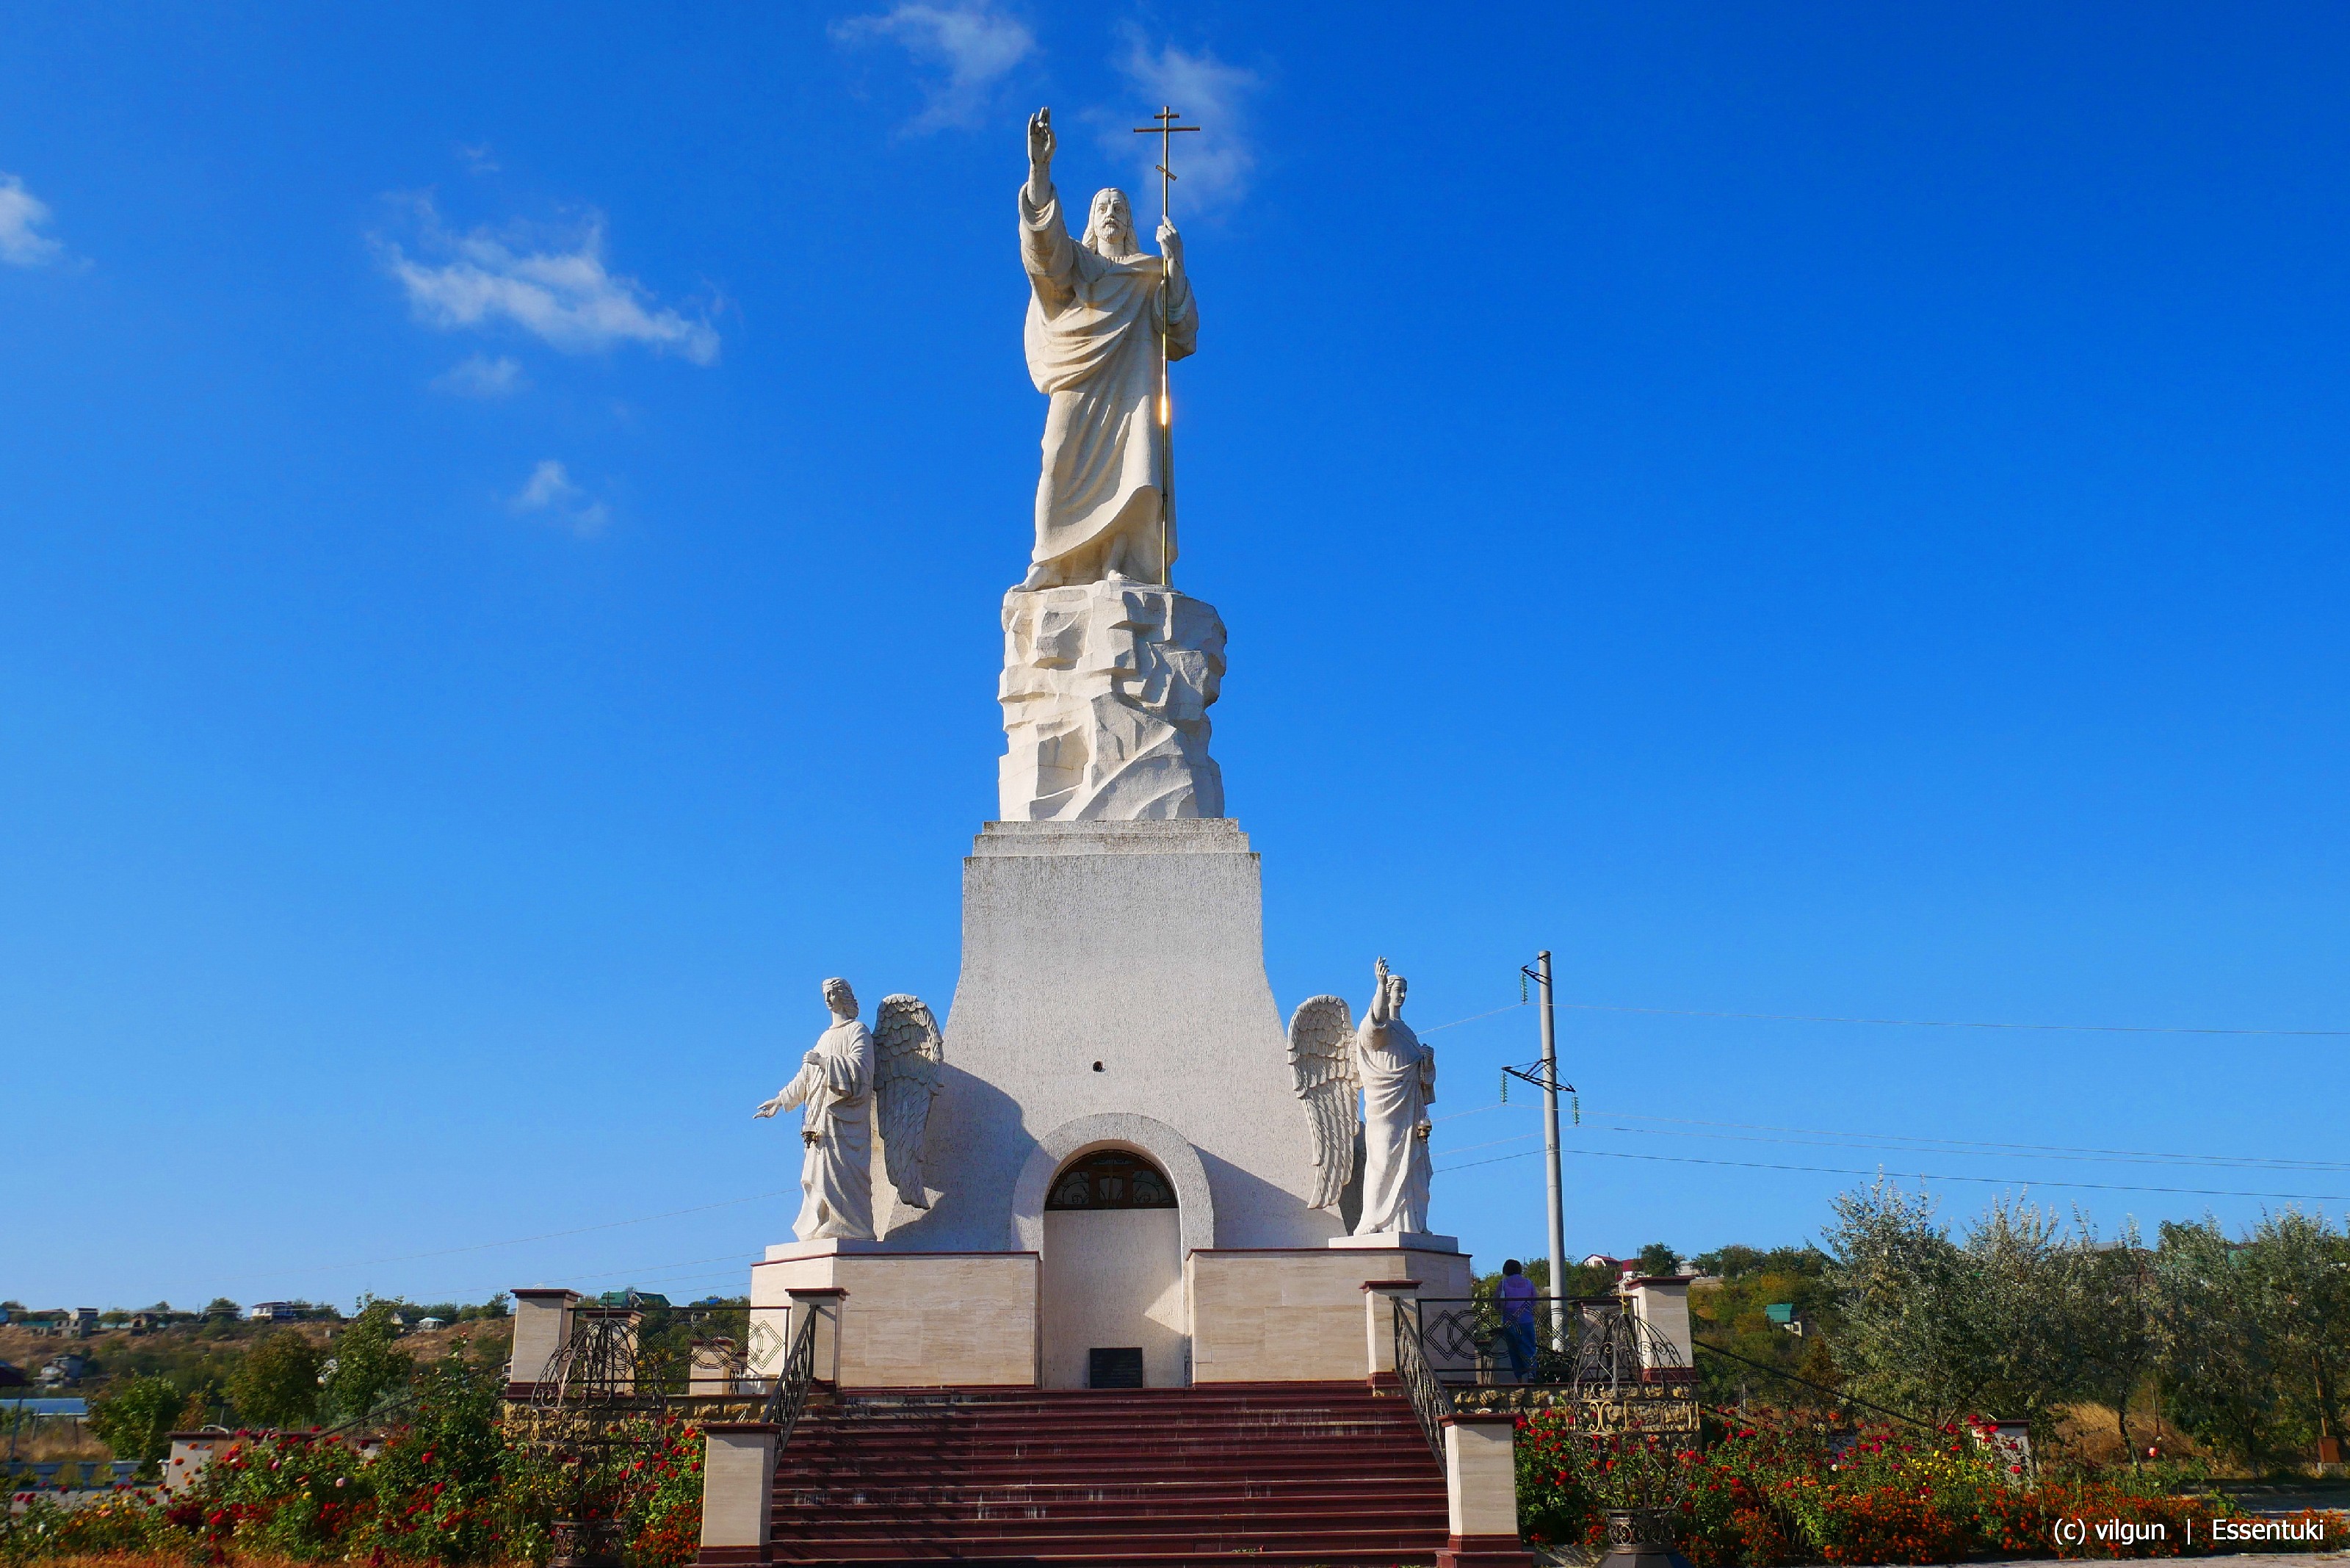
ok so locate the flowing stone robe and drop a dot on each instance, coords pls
(835, 1085)
(1092, 338)
(1398, 1078)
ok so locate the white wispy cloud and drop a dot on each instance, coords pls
(479, 376)
(551, 490)
(476, 157)
(1213, 168)
(969, 48)
(22, 214)
(553, 285)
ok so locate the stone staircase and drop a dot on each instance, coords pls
(1329, 1473)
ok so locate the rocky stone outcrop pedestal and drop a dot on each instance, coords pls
(1105, 693)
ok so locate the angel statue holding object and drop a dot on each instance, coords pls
(1098, 309)
(1331, 1062)
(850, 1067)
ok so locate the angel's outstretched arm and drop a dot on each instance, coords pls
(796, 1092)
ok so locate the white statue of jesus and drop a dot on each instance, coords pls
(1097, 311)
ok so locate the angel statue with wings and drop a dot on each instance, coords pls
(1332, 1063)
(897, 1063)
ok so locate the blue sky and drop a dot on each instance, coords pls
(1827, 511)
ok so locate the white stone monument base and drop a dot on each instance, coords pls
(1409, 1240)
(932, 1320)
(830, 1247)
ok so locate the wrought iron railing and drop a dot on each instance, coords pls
(1594, 1345)
(796, 1378)
(1431, 1400)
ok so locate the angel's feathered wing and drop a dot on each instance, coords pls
(907, 1051)
(1322, 1067)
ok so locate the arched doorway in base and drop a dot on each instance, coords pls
(1112, 1275)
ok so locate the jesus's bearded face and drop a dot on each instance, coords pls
(1109, 228)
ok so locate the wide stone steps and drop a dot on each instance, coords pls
(1279, 1473)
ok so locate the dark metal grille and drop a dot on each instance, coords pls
(1117, 1367)
(1592, 1345)
(1431, 1400)
(1111, 1180)
(795, 1378)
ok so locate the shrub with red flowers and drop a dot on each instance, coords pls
(1771, 1489)
(440, 1481)
(291, 1494)
(40, 1527)
(459, 1485)
(665, 1500)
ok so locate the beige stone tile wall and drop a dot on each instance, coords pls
(1281, 1315)
(912, 1320)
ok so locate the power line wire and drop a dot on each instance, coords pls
(1954, 1023)
(1473, 1018)
(1903, 1023)
(1909, 1143)
(1909, 1175)
(1990, 1151)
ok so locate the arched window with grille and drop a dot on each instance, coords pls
(1111, 1178)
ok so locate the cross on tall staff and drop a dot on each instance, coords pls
(1166, 131)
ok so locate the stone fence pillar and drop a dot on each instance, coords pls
(738, 1485)
(715, 1366)
(1661, 1301)
(1379, 1297)
(542, 1327)
(823, 1303)
(1481, 1494)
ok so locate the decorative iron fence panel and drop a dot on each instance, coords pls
(795, 1378)
(1594, 1345)
(1431, 1400)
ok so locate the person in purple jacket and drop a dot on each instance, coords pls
(1518, 1319)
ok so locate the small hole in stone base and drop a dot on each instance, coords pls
(1097, 1066)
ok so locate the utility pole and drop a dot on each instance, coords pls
(1543, 1076)
(1550, 1156)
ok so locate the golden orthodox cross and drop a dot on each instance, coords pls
(1165, 130)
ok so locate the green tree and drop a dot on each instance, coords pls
(2122, 1343)
(1656, 1258)
(2001, 1325)
(1729, 1311)
(1906, 1288)
(198, 1412)
(367, 1362)
(2034, 1304)
(136, 1421)
(220, 1306)
(2295, 1270)
(1819, 1374)
(2216, 1377)
(275, 1383)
